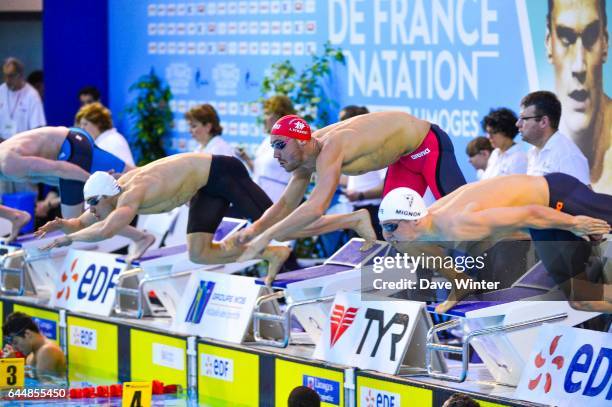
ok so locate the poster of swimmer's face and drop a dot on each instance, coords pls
(570, 43)
(445, 61)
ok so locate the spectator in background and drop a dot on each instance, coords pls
(36, 79)
(352, 111)
(23, 335)
(20, 105)
(507, 158)
(89, 94)
(365, 190)
(97, 120)
(267, 172)
(460, 400)
(479, 150)
(303, 396)
(551, 151)
(206, 129)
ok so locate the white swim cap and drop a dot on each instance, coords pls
(402, 204)
(100, 183)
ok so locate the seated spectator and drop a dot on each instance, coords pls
(479, 151)
(267, 172)
(89, 94)
(21, 334)
(206, 129)
(96, 119)
(508, 157)
(365, 190)
(303, 396)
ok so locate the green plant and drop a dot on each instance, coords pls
(151, 117)
(305, 88)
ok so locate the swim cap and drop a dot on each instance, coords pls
(402, 204)
(100, 183)
(291, 126)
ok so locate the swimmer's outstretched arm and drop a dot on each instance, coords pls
(328, 167)
(482, 224)
(67, 225)
(118, 219)
(291, 198)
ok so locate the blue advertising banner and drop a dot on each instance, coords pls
(446, 61)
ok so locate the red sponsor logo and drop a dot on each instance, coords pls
(540, 360)
(66, 277)
(340, 320)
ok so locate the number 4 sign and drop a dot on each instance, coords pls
(12, 372)
(137, 394)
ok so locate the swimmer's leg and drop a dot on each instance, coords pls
(17, 218)
(203, 250)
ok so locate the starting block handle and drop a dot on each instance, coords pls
(464, 350)
(284, 320)
(4, 270)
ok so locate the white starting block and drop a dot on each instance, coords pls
(374, 332)
(502, 325)
(26, 269)
(220, 306)
(166, 271)
(309, 291)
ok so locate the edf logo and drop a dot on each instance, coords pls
(97, 282)
(597, 381)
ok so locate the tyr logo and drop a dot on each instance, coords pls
(379, 316)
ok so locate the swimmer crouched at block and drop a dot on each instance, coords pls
(495, 208)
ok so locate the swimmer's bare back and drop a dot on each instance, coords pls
(374, 141)
(167, 183)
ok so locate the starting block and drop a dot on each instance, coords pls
(25, 269)
(166, 271)
(502, 325)
(309, 291)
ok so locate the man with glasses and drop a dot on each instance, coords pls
(64, 157)
(209, 183)
(20, 105)
(552, 151)
(21, 334)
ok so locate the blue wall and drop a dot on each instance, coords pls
(75, 54)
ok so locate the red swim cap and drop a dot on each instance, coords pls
(291, 126)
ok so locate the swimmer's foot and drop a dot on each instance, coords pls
(140, 247)
(19, 220)
(276, 257)
(454, 297)
(364, 228)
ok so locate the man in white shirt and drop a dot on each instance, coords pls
(551, 151)
(508, 157)
(20, 105)
(562, 253)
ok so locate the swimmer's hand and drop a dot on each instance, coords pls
(51, 226)
(585, 225)
(238, 239)
(59, 242)
(254, 248)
